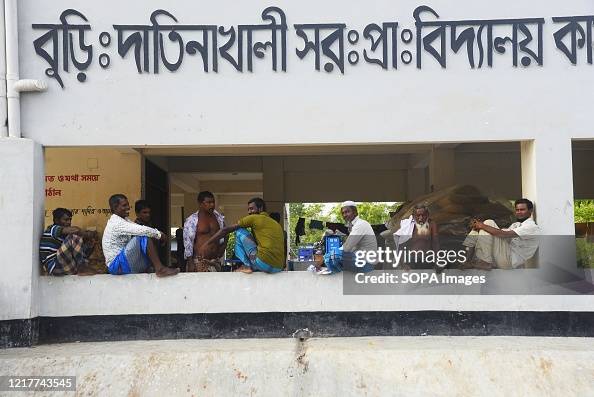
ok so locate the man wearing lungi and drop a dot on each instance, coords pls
(489, 247)
(261, 250)
(62, 246)
(127, 246)
(197, 230)
(207, 257)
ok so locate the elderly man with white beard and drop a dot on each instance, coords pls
(418, 233)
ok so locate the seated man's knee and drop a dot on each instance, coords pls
(74, 238)
(242, 232)
(490, 222)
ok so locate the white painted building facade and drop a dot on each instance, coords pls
(543, 102)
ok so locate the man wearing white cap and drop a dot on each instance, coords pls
(361, 238)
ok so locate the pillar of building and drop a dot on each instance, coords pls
(21, 210)
(547, 180)
(416, 175)
(273, 184)
(442, 168)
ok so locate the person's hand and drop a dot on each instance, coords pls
(164, 238)
(74, 230)
(478, 225)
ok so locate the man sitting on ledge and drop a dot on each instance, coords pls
(127, 246)
(61, 250)
(262, 249)
(489, 247)
(198, 228)
(361, 239)
(142, 209)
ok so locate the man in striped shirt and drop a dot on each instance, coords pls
(61, 247)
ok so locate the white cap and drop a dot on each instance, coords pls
(348, 203)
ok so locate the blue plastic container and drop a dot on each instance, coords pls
(306, 254)
(332, 244)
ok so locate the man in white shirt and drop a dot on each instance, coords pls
(361, 239)
(489, 247)
(127, 246)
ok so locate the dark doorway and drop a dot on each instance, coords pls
(156, 187)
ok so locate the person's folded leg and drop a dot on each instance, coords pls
(349, 264)
(132, 258)
(70, 255)
(246, 248)
(261, 266)
(333, 261)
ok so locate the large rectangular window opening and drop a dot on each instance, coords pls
(457, 181)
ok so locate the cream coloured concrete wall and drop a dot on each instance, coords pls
(371, 366)
(298, 291)
(118, 172)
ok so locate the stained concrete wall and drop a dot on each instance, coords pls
(402, 366)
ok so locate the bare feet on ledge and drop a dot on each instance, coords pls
(244, 269)
(166, 272)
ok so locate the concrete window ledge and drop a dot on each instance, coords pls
(284, 292)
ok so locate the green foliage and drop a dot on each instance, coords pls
(307, 211)
(374, 213)
(230, 250)
(583, 211)
(584, 253)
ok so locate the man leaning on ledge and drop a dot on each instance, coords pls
(129, 247)
(261, 250)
